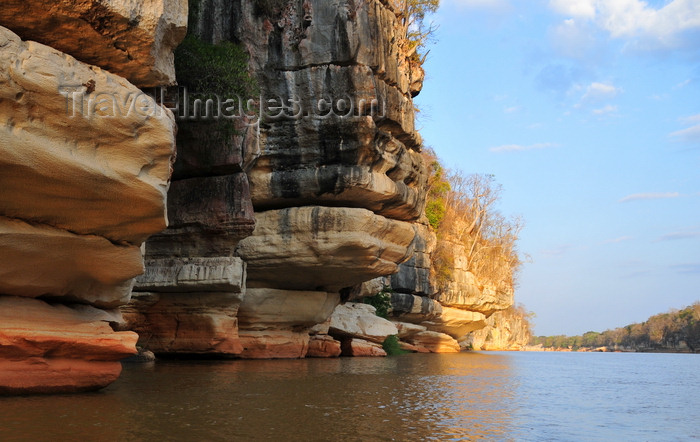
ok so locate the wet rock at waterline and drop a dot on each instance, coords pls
(53, 348)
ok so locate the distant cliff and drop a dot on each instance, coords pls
(509, 329)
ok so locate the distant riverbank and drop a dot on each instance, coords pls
(605, 349)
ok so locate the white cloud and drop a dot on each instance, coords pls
(520, 147)
(687, 269)
(605, 110)
(576, 38)
(574, 8)
(596, 93)
(512, 109)
(635, 18)
(683, 84)
(690, 134)
(600, 91)
(649, 196)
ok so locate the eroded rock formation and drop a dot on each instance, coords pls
(314, 199)
(335, 179)
(450, 313)
(134, 40)
(84, 170)
(467, 292)
(505, 330)
(47, 348)
(330, 164)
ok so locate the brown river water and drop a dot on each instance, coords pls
(466, 396)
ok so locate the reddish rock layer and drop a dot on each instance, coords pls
(48, 348)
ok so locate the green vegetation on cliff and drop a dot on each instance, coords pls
(213, 69)
(381, 301)
(462, 211)
(392, 347)
(676, 330)
(218, 86)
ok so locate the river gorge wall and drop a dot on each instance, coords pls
(276, 232)
(81, 188)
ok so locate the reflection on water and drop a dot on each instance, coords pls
(491, 396)
(411, 397)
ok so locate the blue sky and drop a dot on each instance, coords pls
(588, 113)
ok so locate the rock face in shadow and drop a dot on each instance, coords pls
(187, 323)
(414, 275)
(132, 39)
(346, 136)
(85, 163)
(277, 323)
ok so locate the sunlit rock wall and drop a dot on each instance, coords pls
(85, 161)
(133, 39)
(336, 179)
(504, 330)
(462, 306)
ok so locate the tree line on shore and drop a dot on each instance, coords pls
(676, 330)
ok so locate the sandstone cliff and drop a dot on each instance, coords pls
(454, 307)
(505, 330)
(335, 181)
(85, 160)
(329, 163)
(308, 199)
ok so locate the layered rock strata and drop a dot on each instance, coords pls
(84, 169)
(329, 162)
(135, 40)
(504, 330)
(336, 179)
(329, 248)
(465, 291)
(454, 311)
(276, 323)
(47, 348)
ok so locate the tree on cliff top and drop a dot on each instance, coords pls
(418, 33)
(462, 211)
